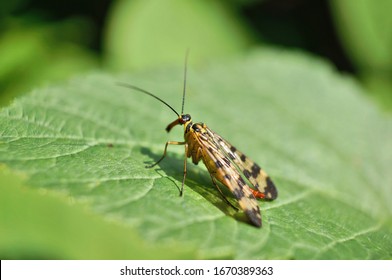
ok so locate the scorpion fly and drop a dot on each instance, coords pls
(242, 176)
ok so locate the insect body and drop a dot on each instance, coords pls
(244, 178)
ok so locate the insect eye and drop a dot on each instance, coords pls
(186, 117)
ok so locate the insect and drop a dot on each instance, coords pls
(243, 177)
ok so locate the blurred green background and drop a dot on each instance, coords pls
(45, 41)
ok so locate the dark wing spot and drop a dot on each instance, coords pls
(218, 164)
(227, 176)
(270, 191)
(254, 216)
(243, 157)
(227, 161)
(255, 170)
(211, 150)
(233, 149)
(238, 193)
(231, 156)
(240, 182)
(247, 173)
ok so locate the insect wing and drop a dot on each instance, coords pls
(222, 169)
(251, 170)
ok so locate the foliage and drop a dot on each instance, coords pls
(325, 145)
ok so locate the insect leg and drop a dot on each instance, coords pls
(164, 152)
(220, 191)
(185, 159)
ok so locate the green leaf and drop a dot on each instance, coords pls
(37, 226)
(327, 148)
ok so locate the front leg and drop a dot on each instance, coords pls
(164, 152)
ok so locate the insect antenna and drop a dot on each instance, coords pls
(184, 89)
(148, 93)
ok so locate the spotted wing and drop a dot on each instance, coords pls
(223, 170)
(260, 180)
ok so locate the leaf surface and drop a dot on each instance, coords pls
(325, 145)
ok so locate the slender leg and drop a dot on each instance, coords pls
(220, 191)
(183, 179)
(164, 152)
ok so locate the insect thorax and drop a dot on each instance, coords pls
(195, 131)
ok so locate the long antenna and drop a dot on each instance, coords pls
(148, 93)
(184, 89)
